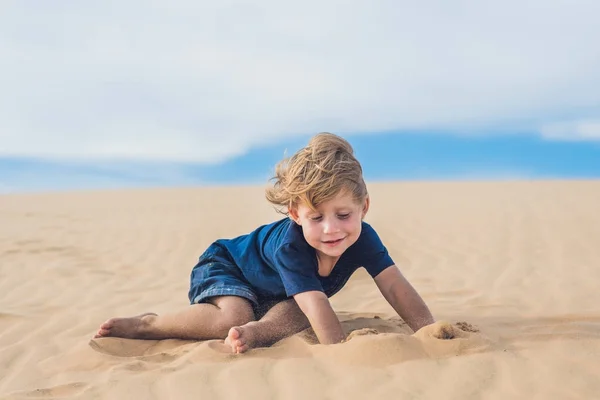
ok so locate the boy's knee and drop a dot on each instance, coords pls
(234, 314)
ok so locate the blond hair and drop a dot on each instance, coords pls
(317, 173)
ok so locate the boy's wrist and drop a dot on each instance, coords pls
(332, 336)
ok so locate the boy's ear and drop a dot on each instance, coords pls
(366, 206)
(293, 213)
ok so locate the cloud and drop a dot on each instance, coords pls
(572, 130)
(201, 81)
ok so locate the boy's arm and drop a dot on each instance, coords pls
(403, 298)
(315, 305)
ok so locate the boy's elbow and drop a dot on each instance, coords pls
(310, 296)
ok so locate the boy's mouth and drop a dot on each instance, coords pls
(333, 242)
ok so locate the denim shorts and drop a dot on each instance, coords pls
(216, 274)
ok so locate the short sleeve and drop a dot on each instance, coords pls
(297, 270)
(372, 253)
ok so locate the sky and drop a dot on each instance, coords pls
(136, 93)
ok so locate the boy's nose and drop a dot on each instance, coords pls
(330, 227)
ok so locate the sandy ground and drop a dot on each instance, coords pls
(515, 264)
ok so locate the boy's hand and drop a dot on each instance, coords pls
(315, 305)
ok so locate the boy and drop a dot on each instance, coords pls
(283, 273)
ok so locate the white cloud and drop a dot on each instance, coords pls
(200, 81)
(572, 130)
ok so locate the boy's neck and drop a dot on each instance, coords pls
(325, 263)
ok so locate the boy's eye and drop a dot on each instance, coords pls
(340, 216)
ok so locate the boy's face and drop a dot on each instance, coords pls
(335, 226)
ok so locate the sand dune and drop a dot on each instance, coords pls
(513, 267)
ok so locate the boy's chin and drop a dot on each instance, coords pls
(333, 252)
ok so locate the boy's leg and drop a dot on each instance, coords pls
(282, 320)
(203, 321)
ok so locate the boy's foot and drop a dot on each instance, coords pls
(242, 338)
(131, 328)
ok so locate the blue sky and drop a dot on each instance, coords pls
(385, 157)
(144, 93)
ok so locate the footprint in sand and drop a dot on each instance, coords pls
(120, 347)
(60, 391)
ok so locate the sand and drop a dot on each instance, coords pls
(516, 265)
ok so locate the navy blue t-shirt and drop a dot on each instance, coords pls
(278, 262)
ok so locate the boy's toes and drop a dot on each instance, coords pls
(107, 325)
(240, 343)
(234, 333)
(242, 349)
(102, 333)
(104, 329)
(236, 340)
